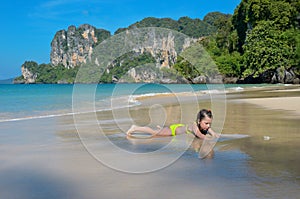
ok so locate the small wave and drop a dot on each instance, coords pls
(213, 91)
(35, 117)
(141, 96)
(136, 98)
(236, 88)
(47, 116)
(100, 106)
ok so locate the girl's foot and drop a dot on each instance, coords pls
(131, 130)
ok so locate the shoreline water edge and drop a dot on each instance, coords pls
(105, 101)
(44, 156)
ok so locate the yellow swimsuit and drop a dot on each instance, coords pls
(173, 128)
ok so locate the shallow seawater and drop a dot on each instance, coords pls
(47, 158)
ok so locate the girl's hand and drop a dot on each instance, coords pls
(212, 133)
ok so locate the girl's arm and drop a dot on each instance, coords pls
(212, 133)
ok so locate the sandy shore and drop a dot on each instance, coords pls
(282, 98)
(279, 103)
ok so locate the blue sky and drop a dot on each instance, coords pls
(28, 27)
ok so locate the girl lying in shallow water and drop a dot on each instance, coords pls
(200, 128)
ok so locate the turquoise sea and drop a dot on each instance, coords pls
(28, 101)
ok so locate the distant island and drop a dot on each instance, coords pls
(7, 81)
(259, 43)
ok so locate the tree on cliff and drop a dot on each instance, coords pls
(267, 34)
(261, 36)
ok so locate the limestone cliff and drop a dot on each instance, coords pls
(73, 47)
(28, 76)
(162, 45)
(76, 46)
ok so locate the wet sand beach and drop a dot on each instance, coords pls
(47, 158)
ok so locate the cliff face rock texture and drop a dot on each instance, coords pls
(29, 77)
(73, 47)
(163, 48)
(162, 45)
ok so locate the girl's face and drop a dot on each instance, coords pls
(205, 123)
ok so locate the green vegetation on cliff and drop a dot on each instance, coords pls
(45, 73)
(262, 35)
(192, 27)
(123, 64)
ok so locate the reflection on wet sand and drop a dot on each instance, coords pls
(263, 165)
(197, 144)
(242, 118)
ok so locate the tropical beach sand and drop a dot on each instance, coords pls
(291, 104)
(46, 158)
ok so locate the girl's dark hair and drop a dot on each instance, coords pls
(200, 116)
(203, 113)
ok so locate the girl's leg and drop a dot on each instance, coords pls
(160, 131)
